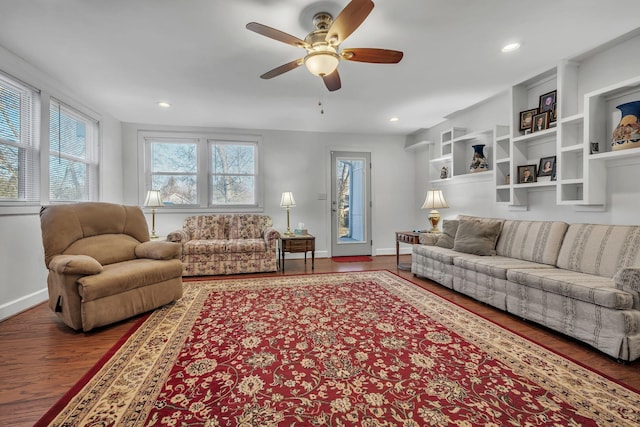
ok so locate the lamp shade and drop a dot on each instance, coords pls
(153, 199)
(434, 200)
(287, 200)
(321, 63)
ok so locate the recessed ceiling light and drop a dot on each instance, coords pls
(511, 47)
(164, 104)
(394, 119)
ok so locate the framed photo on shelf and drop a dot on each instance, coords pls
(526, 118)
(547, 166)
(553, 114)
(527, 174)
(540, 122)
(547, 101)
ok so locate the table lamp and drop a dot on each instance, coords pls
(287, 201)
(434, 201)
(153, 201)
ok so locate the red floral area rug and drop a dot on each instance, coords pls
(351, 258)
(345, 349)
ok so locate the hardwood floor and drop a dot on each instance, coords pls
(41, 358)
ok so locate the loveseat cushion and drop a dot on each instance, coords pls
(248, 226)
(536, 241)
(495, 266)
(206, 227)
(211, 247)
(118, 278)
(600, 250)
(584, 287)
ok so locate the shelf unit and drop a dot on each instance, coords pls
(598, 127)
(514, 148)
(580, 174)
(455, 152)
(442, 154)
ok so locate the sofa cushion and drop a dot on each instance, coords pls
(584, 287)
(477, 237)
(448, 236)
(442, 255)
(537, 241)
(601, 250)
(495, 266)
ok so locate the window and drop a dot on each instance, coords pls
(174, 171)
(19, 154)
(233, 173)
(73, 159)
(202, 170)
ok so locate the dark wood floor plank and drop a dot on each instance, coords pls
(41, 358)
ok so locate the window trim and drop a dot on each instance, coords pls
(203, 141)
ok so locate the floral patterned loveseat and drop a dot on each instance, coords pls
(227, 244)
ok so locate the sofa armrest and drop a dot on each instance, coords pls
(178, 236)
(428, 239)
(158, 250)
(270, 234)
(628, 278)
(75, 264)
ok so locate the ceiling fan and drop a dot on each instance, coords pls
(323, 43)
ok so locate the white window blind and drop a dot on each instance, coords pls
(19, 154)
(73, 155)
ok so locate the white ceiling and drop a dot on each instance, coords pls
(123, 56)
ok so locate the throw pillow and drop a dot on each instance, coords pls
(448, 236)
(477, 237)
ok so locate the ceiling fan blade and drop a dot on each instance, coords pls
(282, 69)
(332, 81)
(376, 56)
(348, 20)
(276, 35)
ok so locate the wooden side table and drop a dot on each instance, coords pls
(298, 243)
(409, 237)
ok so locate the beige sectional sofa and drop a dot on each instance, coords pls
(579, 279)
(227, 244)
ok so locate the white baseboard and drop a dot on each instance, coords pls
(21, 304)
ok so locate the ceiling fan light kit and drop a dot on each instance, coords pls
(322, 44)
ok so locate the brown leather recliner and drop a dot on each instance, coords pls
(102, 266)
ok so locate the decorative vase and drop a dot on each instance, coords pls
(444, 173)
(627, 133)
(479, 162)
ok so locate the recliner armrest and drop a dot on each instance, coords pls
(158, 250)
(75, 264)
(178, 236)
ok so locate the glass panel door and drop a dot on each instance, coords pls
(350, 204)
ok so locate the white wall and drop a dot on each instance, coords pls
(300, 162)
(23, 276)
(476, 195)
